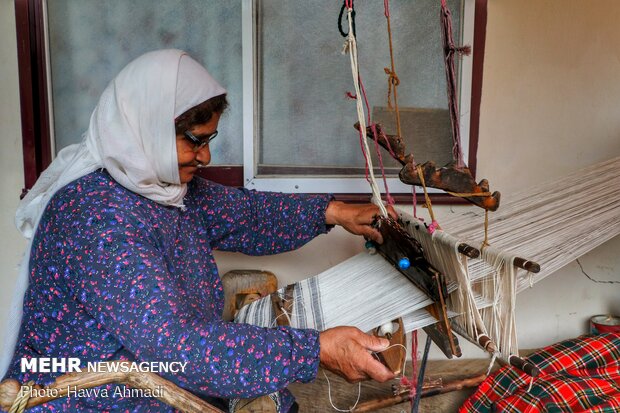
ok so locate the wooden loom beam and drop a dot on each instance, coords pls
(469, 251)
(518, 262)
(382, 402)
(455, 180)
(487, 344)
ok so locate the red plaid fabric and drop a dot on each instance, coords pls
(577, 375)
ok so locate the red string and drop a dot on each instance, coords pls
(388, 197)
(365, 98)
(449, 50)
(362, 137)
(404, 381)
(387, 142)
(362, 133)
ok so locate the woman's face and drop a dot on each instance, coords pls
(188, 156)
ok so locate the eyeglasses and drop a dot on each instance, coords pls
(199, 143)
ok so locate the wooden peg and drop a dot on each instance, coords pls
(468, 250)
(527, 265)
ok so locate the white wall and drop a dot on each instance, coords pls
(11, 165)
(551, 102)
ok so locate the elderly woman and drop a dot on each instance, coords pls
(121, 259)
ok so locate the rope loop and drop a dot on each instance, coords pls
(485, 242)
(427, 198)
(392, 77)
(464, 50)
(492, 363)
(21, 400)
(432, 227)
(529, 389)
(347, 4)
(393, 82)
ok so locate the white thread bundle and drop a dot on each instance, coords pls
(351, 47)
(485, 305)
(500, 286)
(549, 224)
(553, 223)
(364, 291)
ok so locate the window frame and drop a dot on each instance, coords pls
(37, 127)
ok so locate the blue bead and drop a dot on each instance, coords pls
(369, 244)
(404, 263)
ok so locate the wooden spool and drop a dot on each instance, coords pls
(241, 287)
(394, 357)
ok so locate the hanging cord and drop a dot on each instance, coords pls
(412, 384)
(485, 243)
(373, 128)
(492, 362)
(329, 394)
(393, 80)
(434, 224)
(449, 50)
(351, 47)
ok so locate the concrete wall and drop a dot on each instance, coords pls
(551, 102)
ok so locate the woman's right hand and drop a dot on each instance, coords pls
(346, 351)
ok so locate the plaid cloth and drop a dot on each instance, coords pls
(577, 375)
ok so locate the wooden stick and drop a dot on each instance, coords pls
(469, 251)
(418, 395)
(388, 401)
(523, 365)
(522, 263)
(527, 265)
(162, 389)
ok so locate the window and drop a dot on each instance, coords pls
(290, 126)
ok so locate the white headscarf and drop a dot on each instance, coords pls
(132, 135)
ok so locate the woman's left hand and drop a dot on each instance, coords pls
(356, 219)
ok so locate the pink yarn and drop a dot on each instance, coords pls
(432, 227)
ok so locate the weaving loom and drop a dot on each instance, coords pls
(548, 224)
(381, 293)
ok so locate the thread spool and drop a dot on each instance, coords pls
(386, 330)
